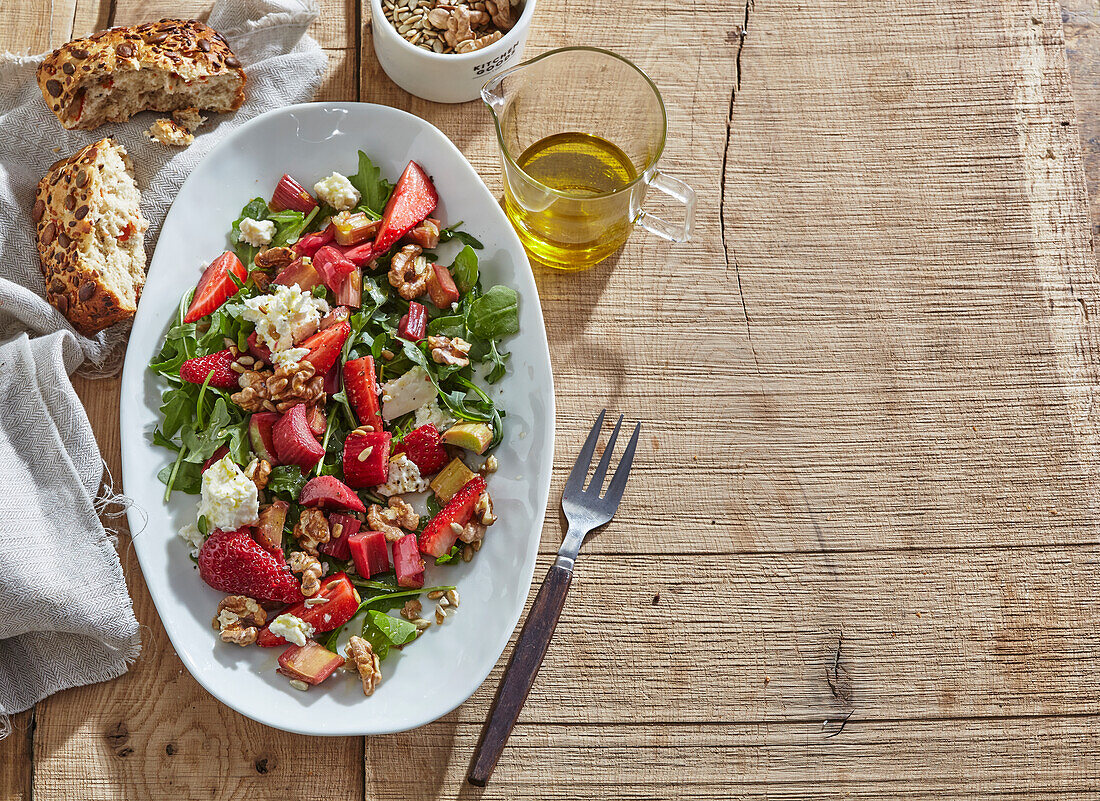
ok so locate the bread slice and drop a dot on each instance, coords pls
(91, 236)
(158, 66)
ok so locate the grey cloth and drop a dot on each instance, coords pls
(65, 616)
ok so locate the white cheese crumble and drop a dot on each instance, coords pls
(337, 191)
(256, 232)
(229, 498)
(407, 393)
(404, 476)
(432, 412)
(193, 537)
(285, 316)
(292, 629)
(281, 358)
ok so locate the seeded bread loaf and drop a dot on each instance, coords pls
(91, 236)
(158, 66)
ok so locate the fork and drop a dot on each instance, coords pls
(586, 510)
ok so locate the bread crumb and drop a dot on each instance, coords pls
(189, 118)
(170, 133)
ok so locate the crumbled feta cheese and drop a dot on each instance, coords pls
(432, 412)
(281, 358)
(256, 232)
(337, 191)
(407, 393)
(404, 476)
(292, 629)
(285, 316)
(192, 536)
(229, 498)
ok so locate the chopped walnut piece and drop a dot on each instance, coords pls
(239, 619)
(460, 22)
(470, 45)
(483, 510)
(259, 470)
(390, 521)
(278, 391)
(311, 530)
(500, 11)
(253, 395)
(409, 272)
(274, 258)
(361, 657)
(426, 235)
(446, 350)
(310, 568)
(411, 610)
(472, 533)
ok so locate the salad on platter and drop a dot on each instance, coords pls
(328, 398)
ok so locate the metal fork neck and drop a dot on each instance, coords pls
(571, 546)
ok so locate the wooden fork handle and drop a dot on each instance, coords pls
(519, 677)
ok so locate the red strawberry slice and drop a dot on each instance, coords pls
(337, 546)
(413, 199)
(311, 243)
(425, 449)
(439, 535)
(362, 391)
(233, 562)
(294, 442)
(329, 492)
(370, 470)
(215, 365)
(343, 603)
(216, 286)
(219, 454)
(324, 346)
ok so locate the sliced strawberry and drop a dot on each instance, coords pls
(233, 562)
(262, 438)
(407, 563)
(216, 286)
(368, 551)
(219, 454)
(440, 534)
(414, 325)
(337, 546)
(361, 387)
(289, 194)
(215, 365)
(324, 346)
(294, 442)
(308, 244)
(329, 492)
(269, 531)
(315, 417)
(366, 459)
(332, 380)
(441, 287)
(425, 449)
(343, 601)
(413, 199)
(311, 663)
(300, 273)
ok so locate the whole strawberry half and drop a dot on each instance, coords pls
(233, 562)
(425, 450)
(216, 365)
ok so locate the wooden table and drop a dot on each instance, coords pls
(859, 556)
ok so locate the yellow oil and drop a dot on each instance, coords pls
(591, 220)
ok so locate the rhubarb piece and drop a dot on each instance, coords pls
(310, 243)
(450, 480)
(361, 388)
(294, 442)
(361, 255)
(341, 603)
(324, 346)
(471, 436)
(300, 273)
(441, 287)
(350, 292)
(369, 552)
(315, 418)
(311, 663)
(257, 349)
(443, 529)
(413, 199)
(366, 458)
(216, 286)
(215, 365)
(289, 194)
(329, 492)
(269, 531)
(414, 325)
(234, 563)
(407, 562)
(424, 448)
(341, 314)
(218, 455)
(337, 545)
(332, 266)
(351, 229)
(260, 435)
(332, 380)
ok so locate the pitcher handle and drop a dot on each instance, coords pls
(680, 192)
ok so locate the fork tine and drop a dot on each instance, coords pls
(618, 481)
(596, 484)
(580, 468)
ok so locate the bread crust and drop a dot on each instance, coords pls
(189, 49)
(60, 213)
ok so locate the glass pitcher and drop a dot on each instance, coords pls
(580, 132)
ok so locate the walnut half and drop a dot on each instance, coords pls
(311, 530)
(390, 521)
(239, 619)
(361, 657)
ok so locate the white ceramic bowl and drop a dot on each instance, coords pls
(445, 78)
(442, 669)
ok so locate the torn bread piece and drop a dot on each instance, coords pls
(169, 132)
(189, 118)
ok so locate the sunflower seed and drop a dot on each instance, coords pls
(435, 595)
(298, 684)
(452, 596)
(440, 615)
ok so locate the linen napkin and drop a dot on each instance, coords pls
(65, 616)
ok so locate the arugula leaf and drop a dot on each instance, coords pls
(290, 225)
(176, 409)
(495, 314)
(183, 477)
(286, 479)
(455, 553)
(496, 359)
(452, 232)
(329, 640)
(465, 269)
(453, 325)
(374, 189)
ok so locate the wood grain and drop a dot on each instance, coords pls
(857, 553)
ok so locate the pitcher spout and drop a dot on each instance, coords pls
(493, 93)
